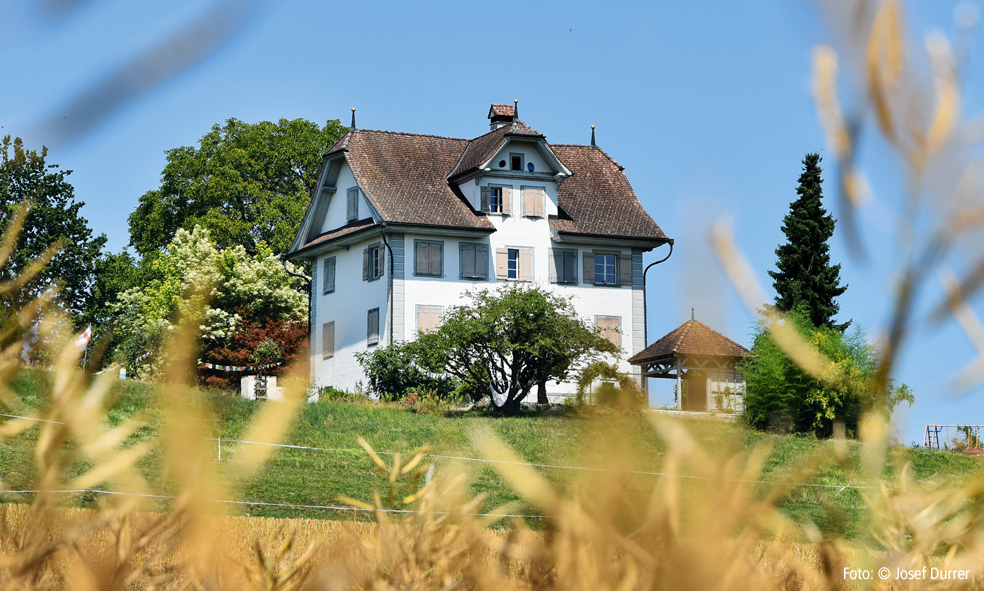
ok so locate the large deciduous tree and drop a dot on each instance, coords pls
(53, 218)
(804, 276)
(246, 183)
(509, 341)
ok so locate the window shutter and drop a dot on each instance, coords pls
(570, 267)
(506, 200)
(501, 263)
(420, 261)
(485, 199)
(625, 269)
(526, 264)
(327, 340)
(556, 265)
(538, 195)
(588, 268)
(372, 329)
(482, 261)
(434, 259)
(329, 278)
(381, 257)
(526, 202)
(314, 285)
(468, 260)
(365, 265)
(353, 204)
(608, 329)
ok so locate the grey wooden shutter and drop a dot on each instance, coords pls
(502, 263)
(314, 286)
(353, 204)
(570, 267)
(434, 259)
(365, 265)
(420, 261)
(329, 279)
(556, 265)
(506, 200)
(381, 258)
(485, 199)
(588, 267)
(482, 261)
(468, 260)
(526, 264)
(625, 269)
(328, 340)
(372, 328)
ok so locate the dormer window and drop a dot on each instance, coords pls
(496, 199)
(516, 162)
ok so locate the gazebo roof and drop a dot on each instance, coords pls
(691, 338)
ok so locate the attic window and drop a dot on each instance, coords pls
(516, 162)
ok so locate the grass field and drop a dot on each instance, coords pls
(310, 477)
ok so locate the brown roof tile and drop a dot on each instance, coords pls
(691, 338)
(598, 199)
(349, 228)
(503, 110)
(403, 177)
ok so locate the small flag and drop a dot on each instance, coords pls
(82, 341)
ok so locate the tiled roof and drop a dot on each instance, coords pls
(403, 177)
(691, 338)
(503, 110)
(485, 146)
(598, 198)
(349, 228)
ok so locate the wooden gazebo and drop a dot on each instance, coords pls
(705, 364)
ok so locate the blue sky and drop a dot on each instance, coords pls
(707, 105)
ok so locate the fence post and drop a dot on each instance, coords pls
(220, 448)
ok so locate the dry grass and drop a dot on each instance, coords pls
(717, 531)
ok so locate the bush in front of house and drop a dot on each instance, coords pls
(393, 374)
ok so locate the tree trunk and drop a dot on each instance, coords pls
(541, 393)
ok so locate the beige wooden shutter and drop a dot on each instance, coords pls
(538, 195)
(608, 329)
(527, 203)
(625, 269)
(502, 263)
(506, 200)
(588, 268)
(526, 264)
(485, 199)
(556, 262)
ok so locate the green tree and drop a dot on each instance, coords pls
(779, 396)
(804, 275)
(193, 272)
(245, 183)
(53, 218)
(510, 341)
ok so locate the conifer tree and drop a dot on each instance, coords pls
(805, 279)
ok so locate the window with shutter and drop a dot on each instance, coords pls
(533, 201)
(502, 263)
(328, 340)
(526, 264)
(373, 261)
(428, 318)
(609, 327)
(474, 260)
(353, 204)
(429, 258)
(605, 269)
(372, 329)
(563, 266)
(329, 275)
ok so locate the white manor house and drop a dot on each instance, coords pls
(401, 226)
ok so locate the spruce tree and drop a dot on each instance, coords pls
(805, 279)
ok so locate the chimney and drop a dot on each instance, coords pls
(500, 115)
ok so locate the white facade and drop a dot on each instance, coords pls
(402, 298)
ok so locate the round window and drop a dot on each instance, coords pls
(530, 166)
(502, 164)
